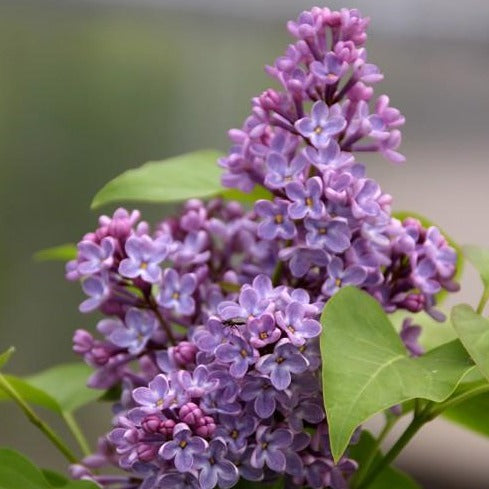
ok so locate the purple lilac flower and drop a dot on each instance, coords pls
(306, 199)
(333, 235)
(136, 331)
(264, 396)
(236, 431)
(98, 290)
(281, 364)
(239, 354)
(281, 172)
(184, 448)
(410, 337)
(323, 123)
(270, 448)
(339, 276)
(158, 395)
(176, 292)
(263, 331)
(329, 71)
(297, 327)
(302, 258)
(276, 223)
(215, 467)
(92, 258)
(144, 257)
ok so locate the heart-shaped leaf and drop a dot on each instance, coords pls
(17, 472)
(60, 389)
(389, 478)
(366, 368)
(473, 331)
(479, 257)
(192, 175)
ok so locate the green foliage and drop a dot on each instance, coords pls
(63, 253)
(473, 331)
(193, 175)
(479, 257)
(366, 368)
(5, 356)
(471, 414)
(17, 472)
(60, 389)
(401, 215)
(389, 478)
(248, 198)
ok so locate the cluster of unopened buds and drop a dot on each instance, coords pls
(212, 319)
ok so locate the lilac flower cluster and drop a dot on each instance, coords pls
(210, 339)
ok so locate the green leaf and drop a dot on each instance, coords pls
(59, 389)
(30, 394)
(257, 193)
(471, 414)
(479, 257)
(67, 384)
(389, 478)
(366, 368)
(63, 253)
(5, 356)
(193, 175)
(18, 472)
(54, 479)
(401, 215)
(473, 331)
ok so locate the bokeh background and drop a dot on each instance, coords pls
(91, 88)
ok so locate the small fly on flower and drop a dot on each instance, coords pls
(234, 322)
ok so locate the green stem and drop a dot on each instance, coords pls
(392, 454)
(277, 273)
(77, 432)
(363, 471)
(483, 301)
(36, 420)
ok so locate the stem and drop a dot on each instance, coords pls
(36, 420)
(77, 432)
(483, 301)
(361, 474)
(277, 273)
(392, 454)
(164, 324)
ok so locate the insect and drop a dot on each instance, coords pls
(234, 322)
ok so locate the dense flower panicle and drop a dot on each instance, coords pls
(212, 328)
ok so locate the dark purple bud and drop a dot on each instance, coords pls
(191, 414)
(205, 427)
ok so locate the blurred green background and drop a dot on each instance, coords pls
(89, 89)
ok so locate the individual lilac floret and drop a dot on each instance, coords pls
(324, 123)
(340, 276)
(330, 70)
(239, 354)
(136, 331)
(276, 223)
(297, 327)
(333, 235)
(306, 200)
(144, 257)
(176, 292)
(250, 305)
(263, 331)
(98, 290)
(282, 363)
(410, 337)
(261, 392)
(282, 172)
(183, 448)
(270, 448)
(215, 467)
(93, 258)
(235, 430)
(157, 396)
